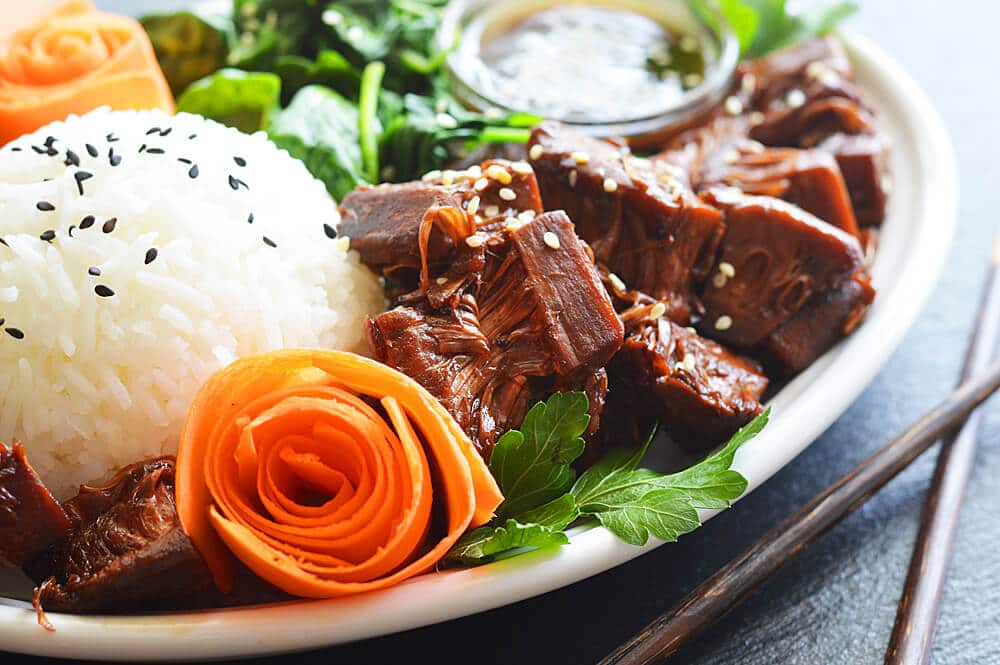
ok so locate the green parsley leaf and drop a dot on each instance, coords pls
(532, 465)
(556, 514)
(664, 513)
(485, 543)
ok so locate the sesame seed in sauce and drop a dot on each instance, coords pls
(551, 239)
(731, 156)
(475, 240)
(481, 184)
(87, 222)
(432, 175)
(235, 183)
(491, 211)
(269, 242)
(45, 206)
(719, 280)
(536, 151)
(91, 150)
(109, 225)
(526, 216)
(688, 362)
(473, 206)
(749, 83)
(756, 118)
(610, 185)
(795, 98)
(14, 332)
(441, 281)
(448, 178)
(330, 232)
(150, 255)
(240, 161)
(727, 269)
(94, 271)
(524, 168)
(48, 236)
(193, 171)
(616, 282)
(103, 291)
(507, 194)
(659, 309)
(499, 173)
(724, 322)
(475, 171)
(80, 176)
(733, 105)
(579, 157)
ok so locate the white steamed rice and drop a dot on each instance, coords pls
(90, 383)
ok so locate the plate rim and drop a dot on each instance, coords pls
(441, 597)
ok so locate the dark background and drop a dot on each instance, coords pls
(835, 603)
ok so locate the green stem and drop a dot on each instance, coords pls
(504, 135)
(371, 83)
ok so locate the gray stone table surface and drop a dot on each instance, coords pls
(836, 603)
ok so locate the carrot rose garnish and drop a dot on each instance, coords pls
(73, 61)
(320, 470)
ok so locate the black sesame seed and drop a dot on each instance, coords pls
(70, 230)
(80, 176)
(155, 151)
(94, 271)
(40, 151)
(151, 255)
(154, 130)
(142, 148)
(236, 182)
(87, 222)
(240, 161)
(250, 218)
(330, 232)
(103, 291)
(72, 159)
(91, 150)
(51, 152)
(49, 141)
(4, 242)
(113, 158)
(269, 242)
(184, 160)
(109, 225)
(193, 136)
(16, 149)
(2, 320)
(15, 333)
(45, 206)
(48, 236)
(111, 138)
(193, 171)
(166, 131)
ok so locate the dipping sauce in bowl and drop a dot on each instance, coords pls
(625, 67)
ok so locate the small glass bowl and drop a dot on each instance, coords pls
(469, 24)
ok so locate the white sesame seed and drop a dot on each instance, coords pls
(572, 178)
(749, 83)
(754, 146)
(524, 168)
(795, 98)
(475, 171)
(448, 178)
(688, 362)
(689, 44)
(526, 216)
(724, 322)
(514, 224)
(756, 118)
(441, 280)
(727, 269)
(481, 184)
(579, 157)
(659, 309)
(731, 156)
(536, 151)
(691, 330)
(499, 173)
(815, 69)
(491, 211)
(610, 185)
(719, 280)
(475, 240)
(691, 80)
(431, 175)
(473, 206)
(507, 194)
(342, 244)
(733, 105)
(551, 239)
(446, 121)
(617, 282)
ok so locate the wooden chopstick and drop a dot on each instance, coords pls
(733, 583)
(920, 604)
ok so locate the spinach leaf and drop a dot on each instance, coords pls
(188, 46)
(236, 98)
(320, 127)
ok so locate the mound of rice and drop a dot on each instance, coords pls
(140, 253)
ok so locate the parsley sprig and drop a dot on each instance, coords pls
(544, 496)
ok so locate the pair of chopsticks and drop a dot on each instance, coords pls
(916, 619)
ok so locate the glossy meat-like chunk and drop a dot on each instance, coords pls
(864, 162)
(30, 517)
(640, 218)
(384, 222)
(775, 260)
(536, 318)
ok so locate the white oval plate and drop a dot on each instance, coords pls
(913, 249)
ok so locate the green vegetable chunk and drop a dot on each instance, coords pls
(235, 98)
(320, 127)
(486, 543)
(188, 46)
(763, 26)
